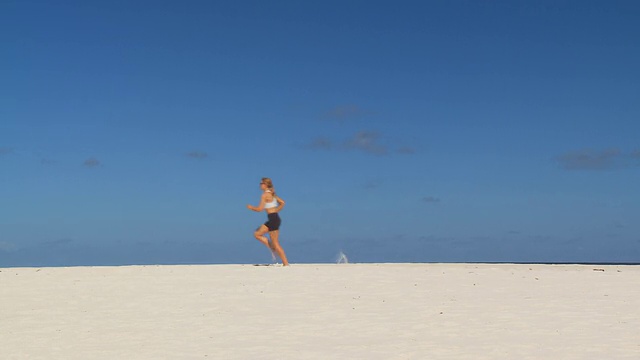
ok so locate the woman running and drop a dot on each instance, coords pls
(271, 204)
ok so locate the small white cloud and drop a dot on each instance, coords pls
(197, 155)
(344, 112)
(430, 199)
(598, 160)
(91, 162)
(321, 143)
(369, 185)
(367, 141)
(406, 150)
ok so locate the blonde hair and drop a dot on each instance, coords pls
(269, 184)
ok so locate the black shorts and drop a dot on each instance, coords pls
(273, 222)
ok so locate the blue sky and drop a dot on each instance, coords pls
(137, 132)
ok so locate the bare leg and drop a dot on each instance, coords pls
(259, 234)
(277, 248)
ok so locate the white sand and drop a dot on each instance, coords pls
(354, 311)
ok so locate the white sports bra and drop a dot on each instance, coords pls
(272, 204)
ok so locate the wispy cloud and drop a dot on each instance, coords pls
(430, 199)
(370, 185)
(598, 160)
(197, 155)
(366, 141)
(406, 150)
(346, 112)
(91, 162)
(618, 225)
(321, 143)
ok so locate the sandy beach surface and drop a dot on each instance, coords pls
(324, 311)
